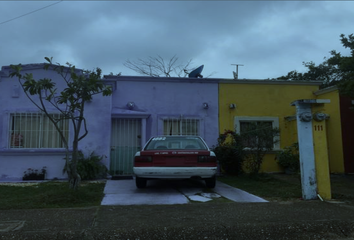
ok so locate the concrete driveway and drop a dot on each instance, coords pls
(124, 192)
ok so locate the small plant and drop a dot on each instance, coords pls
(34, 174)
(288, 158)
(229, 152)
(91, 167)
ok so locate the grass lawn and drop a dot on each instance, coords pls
(343, 187)
(50, 195)
(54, 194)
(266, 186)
(284, 187)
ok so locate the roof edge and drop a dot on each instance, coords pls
(325, 90)
(159, 79)
(209, 80)
(6, 70)
(271, 82)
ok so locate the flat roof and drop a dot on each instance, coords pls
(209, 80)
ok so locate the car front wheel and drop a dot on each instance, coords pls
(140, 182)
(210, 182)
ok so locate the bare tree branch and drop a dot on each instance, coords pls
(157, 67)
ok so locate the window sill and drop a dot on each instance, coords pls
(27, 152)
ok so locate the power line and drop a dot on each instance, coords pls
(30, 12)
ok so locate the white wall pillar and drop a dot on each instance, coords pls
(306, 150)
(306, 146)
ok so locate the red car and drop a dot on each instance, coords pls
(175, 157)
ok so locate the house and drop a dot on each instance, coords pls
(243, 101)
(146, 106)
(141, 107)
(28, 140)
(118, 125)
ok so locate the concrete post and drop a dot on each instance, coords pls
(306, 150)
(308, 167)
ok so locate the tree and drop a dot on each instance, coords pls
(335, 70)
(157, 67)
(80, 87)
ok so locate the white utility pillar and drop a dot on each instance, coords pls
(306, 146)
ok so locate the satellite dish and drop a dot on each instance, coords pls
(196, 72)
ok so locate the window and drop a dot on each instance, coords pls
(35, 130)
(252, 124)
(185, 127)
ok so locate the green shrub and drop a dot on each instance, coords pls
(288, 158)
(229, 153)
(91, 167)
(35, 174)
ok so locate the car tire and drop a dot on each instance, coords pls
(210, 182)
(140, 182)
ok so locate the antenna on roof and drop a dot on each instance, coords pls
(236, 73)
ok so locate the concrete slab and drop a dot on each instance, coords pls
(124, 192)
(144, 199)
(191, 191)
(210, 195)
(236, 194)
(197, 194)
(199, 198)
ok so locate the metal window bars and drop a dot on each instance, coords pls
(183, 127)
(35, 130)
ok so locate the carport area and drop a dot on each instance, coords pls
(124, 192)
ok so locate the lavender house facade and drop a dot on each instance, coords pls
(118, 125)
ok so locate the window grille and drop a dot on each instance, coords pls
(35, 130)
(250, 129)
(184, 127)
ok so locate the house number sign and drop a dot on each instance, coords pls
(318, 128)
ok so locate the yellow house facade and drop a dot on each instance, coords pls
(268, 100)
(333, 127)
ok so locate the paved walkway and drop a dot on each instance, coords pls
(124, 192)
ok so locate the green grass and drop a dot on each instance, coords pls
(50, 195)
(284, 187)
(266, 186)
(272, 187)
(342, 187)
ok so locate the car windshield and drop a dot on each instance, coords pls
(176, 143)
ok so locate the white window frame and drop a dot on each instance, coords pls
(274, 120)
(39, 144)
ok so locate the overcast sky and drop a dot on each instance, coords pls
(270, 38)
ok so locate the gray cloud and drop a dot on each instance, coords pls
(269, 38)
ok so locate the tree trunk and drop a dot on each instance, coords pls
(74, 176)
